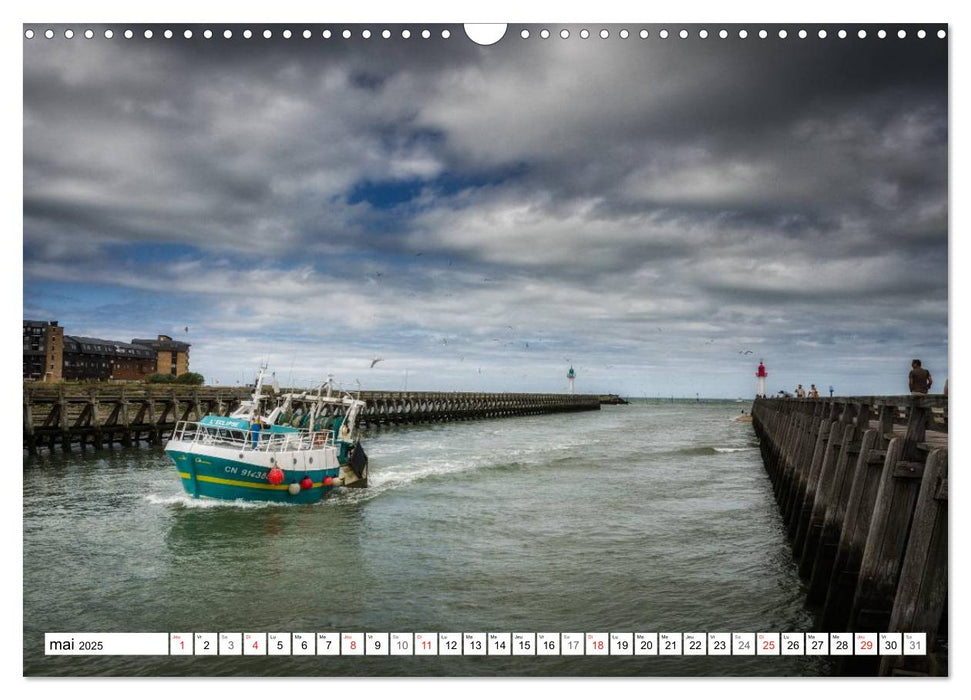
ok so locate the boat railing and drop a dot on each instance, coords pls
(252, 440)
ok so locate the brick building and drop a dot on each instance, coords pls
(49, 355)
(43, 351)
(172, 356)
(95, 359)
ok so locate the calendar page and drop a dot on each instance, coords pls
(540, 349)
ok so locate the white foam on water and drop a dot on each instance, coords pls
(405, 472)
(186, 501)
(404, 475)
(735, 449)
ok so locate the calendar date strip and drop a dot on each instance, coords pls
(486, 644)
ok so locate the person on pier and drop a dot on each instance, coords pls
(920, 379)
(813, 391)
(800, 392)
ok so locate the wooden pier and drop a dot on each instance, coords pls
(862, 486)
(63, 415)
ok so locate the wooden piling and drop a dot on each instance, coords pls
(886, 542)
(862, 485)
(856, 522)
(838, 435)
(835, 508)
(803, 513)
(922, 592)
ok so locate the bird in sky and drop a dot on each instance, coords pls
(375, 361)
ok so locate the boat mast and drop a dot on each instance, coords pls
(258, 393)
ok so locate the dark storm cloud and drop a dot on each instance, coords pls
(727, 192)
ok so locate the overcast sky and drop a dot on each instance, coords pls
(658, 213)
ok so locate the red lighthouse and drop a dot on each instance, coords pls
(760, 376)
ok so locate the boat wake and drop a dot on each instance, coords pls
(383, 481)
(186, 501)
(711, 450)
(401, 472)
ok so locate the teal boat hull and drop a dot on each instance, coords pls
(208, 476)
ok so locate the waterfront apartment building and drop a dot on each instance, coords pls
(51, 356)
(43, 351)
(171, 356)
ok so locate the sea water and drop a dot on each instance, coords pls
(652, 517)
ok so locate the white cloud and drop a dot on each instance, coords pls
(642, 205)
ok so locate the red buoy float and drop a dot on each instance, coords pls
(306, 483)
(328, 480)
(275, 476)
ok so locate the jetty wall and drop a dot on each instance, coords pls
(861, 483)
(62, 415)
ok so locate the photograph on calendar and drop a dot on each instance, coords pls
(533, 350)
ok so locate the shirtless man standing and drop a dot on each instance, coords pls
(920, 379)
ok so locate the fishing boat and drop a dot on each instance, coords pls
(298, 452)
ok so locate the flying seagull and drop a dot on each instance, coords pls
(375, 361)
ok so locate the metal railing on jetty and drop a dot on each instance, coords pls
(862, 486)
(64, 414)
